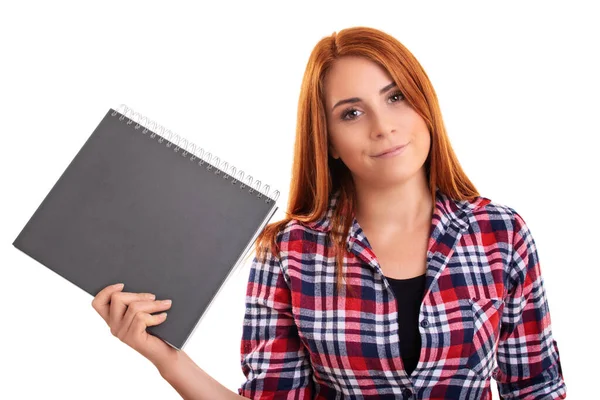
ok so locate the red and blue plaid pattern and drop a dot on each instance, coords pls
(484, 314)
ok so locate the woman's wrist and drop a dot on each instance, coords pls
(191, 381)
(168, 361)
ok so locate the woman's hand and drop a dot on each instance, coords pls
(128, 315)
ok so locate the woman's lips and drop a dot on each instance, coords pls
(392, 152)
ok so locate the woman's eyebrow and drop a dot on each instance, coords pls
(357, 99)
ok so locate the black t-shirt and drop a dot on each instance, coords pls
(409, 294)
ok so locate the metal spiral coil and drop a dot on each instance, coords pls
(205, 159)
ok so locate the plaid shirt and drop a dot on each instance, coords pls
(484, 314)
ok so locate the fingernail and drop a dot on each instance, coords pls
(119, 286)
(166, 301)
(151, 296)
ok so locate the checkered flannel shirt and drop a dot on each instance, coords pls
(484, 315)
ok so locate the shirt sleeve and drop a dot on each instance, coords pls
(273, 359)
(528, 360)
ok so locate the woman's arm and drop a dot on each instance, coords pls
(191, 381)
(528, 360)
(273, 359)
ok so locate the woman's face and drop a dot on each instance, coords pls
(367, 116)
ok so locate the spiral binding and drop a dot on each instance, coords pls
(205, 159)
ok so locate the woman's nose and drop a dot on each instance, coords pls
(381, 126)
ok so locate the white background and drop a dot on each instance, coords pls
(518, 86)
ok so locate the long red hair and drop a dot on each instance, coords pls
(315, 175)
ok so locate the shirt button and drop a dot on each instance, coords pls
(407, 393)
(424, 323)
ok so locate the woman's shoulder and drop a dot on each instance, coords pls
(296, 241)
(481, 205)
(498, 214)
(296, 230)
(296, 227)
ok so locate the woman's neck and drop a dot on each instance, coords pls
(404, 207)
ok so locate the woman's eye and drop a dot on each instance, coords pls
(348, 112)
(399, 94)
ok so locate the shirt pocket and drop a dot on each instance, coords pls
(486, 319)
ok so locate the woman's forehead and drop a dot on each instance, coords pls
(354, 77)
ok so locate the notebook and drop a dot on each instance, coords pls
(143, 206)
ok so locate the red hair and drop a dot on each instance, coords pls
(315, 175)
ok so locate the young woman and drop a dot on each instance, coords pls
(391, 277)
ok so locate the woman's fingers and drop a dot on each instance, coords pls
(120, 301)
(101, 302)
(128, 315)
(142, 320)
(137, 317)
(112, 303)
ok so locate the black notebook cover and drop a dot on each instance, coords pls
(134, 207)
